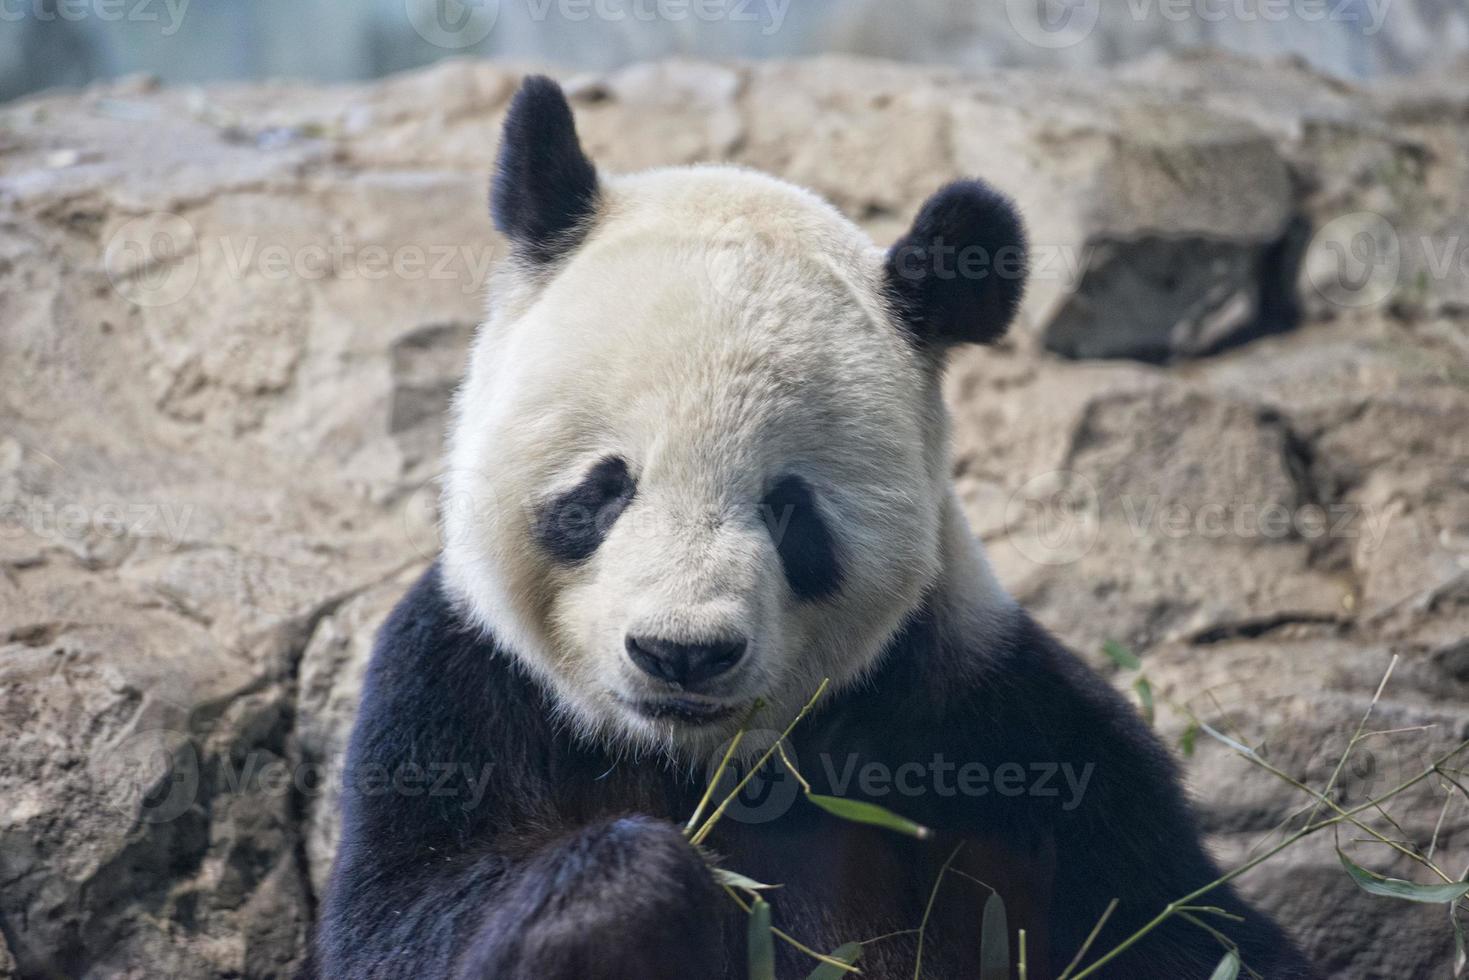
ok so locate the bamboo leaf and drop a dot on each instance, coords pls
(736, 880)
(1121, 656)
(860, 811)
(1187, 740)
(1228, 968)
(1376, 884)
(994, 941)
(848, 954)
(761, 942)
(1145, 695)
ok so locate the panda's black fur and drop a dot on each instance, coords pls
(808, 553)
(481, 839)
(967, 221)
(545, 188)
(573, 865)
(571, 525)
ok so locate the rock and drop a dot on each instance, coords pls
(1383, 192)
(1136, 506)
(1361, 935)
(1300, 699)
(332, 670)
(692, 111)
(1157, 232)
(875, 150)
(231, 326)
(134, 839)
(1151, 240)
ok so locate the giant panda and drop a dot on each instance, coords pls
(699, 464)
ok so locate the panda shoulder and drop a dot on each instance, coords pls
(424, 619)
(428, 651)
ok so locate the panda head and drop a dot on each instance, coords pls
(701, 455)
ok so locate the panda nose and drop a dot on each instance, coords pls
(684, 664)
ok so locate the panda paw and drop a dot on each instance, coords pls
(626, 898)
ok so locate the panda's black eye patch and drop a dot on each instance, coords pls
(572, 525)
(808, 552)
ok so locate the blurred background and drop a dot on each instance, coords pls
(45, 43)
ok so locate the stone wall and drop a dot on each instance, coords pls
(230, 323)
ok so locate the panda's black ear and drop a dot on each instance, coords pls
(958, 275)
(544, 191)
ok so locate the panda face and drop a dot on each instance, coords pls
(701, 461)
(700, 458)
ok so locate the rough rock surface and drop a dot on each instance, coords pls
(230, 321)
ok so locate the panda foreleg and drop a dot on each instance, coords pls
(623, 898)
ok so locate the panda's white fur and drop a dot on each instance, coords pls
(717, 328)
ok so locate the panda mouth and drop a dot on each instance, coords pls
(683, 710)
